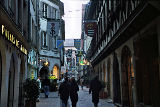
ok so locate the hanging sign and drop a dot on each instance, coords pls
(90, 28)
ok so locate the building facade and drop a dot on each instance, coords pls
(13, 51)
(51, 30)
(122, 52)
(33, 39)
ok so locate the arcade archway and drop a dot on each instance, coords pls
(109, 77)
(116, 80)
(127, 77)
(11, 82)
(21, 79)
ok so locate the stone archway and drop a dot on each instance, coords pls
(11, 81)
(104, 72)
(109, 77)
(21, 80)
(147, 69)
(0, 74)
(127, 79)
(116, 80)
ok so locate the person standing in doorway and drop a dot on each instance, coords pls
(95, 87)
(46, 84)
(73, 92)
(64, 92)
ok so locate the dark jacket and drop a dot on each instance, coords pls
(46, 82)
(64, 91)
(73, 91)
(95, 87)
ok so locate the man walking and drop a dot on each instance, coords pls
(46, 83)
(95, 87)
(64, 92)
(73, 92)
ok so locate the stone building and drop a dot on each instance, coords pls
(126, 49)
(33, 39)
(51, 30)
(13, 51)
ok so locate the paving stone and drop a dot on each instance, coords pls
(85, 100)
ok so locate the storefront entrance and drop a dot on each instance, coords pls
(147, 70)
(109, 77)
(21, 80)
(116, 80)
(127, 77)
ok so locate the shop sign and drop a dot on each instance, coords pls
(9, 36)
(90, 28)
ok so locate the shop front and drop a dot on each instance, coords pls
(13, 61)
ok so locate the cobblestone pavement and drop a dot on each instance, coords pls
(85, 100)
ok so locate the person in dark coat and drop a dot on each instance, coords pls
(64, 92)
(95, 87)
(73, 92)
(46, 84)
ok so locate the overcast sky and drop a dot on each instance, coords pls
(72, 17)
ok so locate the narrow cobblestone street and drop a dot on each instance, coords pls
(85, 100)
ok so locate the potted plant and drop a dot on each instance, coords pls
(32, 91)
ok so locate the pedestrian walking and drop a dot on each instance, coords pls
(81, 83)
(46, 84)
(64, 92)
(73, 92)
(95, 87)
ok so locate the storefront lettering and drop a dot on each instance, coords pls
(13, 39)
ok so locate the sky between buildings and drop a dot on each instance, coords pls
(73, 17)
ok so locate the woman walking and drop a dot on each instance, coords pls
(73, 92)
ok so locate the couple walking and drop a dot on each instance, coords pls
(69, 88)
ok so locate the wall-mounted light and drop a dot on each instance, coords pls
(46, 63)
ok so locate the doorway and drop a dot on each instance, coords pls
(21, 80)
(127, 77)
(116, 80)
(147, 69)
(11, 82)
(109, 77)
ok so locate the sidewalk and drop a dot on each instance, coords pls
(85, 100)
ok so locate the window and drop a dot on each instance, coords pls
(12, 10)
(19, 13)
(55, 14)
(44, 40)
(34, 4)
(44, 10)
